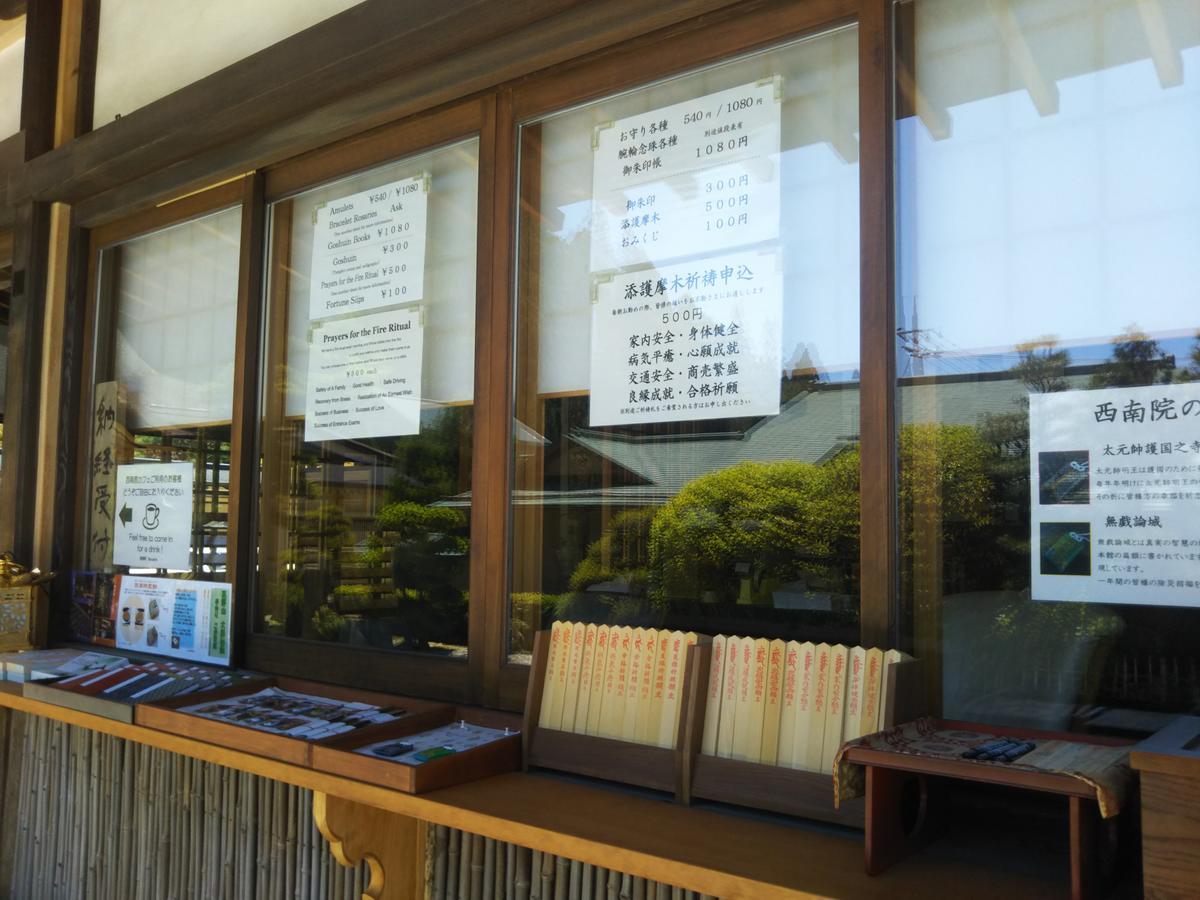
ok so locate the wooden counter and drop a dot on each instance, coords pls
(725, 855)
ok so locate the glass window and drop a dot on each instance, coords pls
(12, 71)
(1048, 220)
(368, 407)
(6, 273)
(163, 401)
(686, 436)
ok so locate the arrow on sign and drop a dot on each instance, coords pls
(125, 515)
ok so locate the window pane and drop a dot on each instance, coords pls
(366, 441)
(161, 409)
(686, 443)
(1048, 223)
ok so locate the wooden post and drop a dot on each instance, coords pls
(393, 846)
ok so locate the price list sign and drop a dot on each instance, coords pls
(692, 341)
(693, 178)
(369, 249)
(364, 377)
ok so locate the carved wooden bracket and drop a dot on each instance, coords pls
(393, 846)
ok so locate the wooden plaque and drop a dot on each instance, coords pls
(24, 615)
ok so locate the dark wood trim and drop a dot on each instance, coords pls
(375, 62)
(18, 487)
(89, 43)
(242, 547)
(39, 87)
(412, 674)
(689, 45)
(12, 158)
(374, 148)
(220, 197)
(490, 398)
(878, 532)
(493, 405)
(66, 486)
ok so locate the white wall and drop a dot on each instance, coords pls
(151, 48)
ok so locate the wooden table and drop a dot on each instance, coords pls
(906, 809)
(701, 850)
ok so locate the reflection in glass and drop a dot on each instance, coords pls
(364, 538)
(1049, 211)
(629, 506)
(167, 313)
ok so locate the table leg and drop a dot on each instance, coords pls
(393, 846)
(1086, 827)
(895, 828)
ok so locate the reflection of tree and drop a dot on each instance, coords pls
(739, 534)
(1192, 371)
(775, 522)
(426, 546)
(1137, 361)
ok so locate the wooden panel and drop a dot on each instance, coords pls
(40, 77)
(374, 63)
(878, 534)
(219, 197)
(486, 566)
(1170, 835)
(242, 544)
(412, 674)
(377, 147)
(22, 400)
(493, 423)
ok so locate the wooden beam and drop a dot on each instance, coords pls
(1168, 63)
(1043, 93)
(23, 401)
(40, 78)
(371, 64)
(877, 364)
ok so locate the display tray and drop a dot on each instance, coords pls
(339, 755)
(795, 792)
(89, 692)
(169, 715)
(626, 762)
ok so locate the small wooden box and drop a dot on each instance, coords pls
(167, 715)
(337, 755)
(780, 789)
(24, 614)
(644, 765)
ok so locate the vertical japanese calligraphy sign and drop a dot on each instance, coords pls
(109, 443)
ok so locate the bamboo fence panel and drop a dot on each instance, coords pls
(98, 818)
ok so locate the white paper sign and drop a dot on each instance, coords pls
(152, 522)
(1115, 494)
(694, 341)
(185, 619)
(691, 178)
(364, 377)
(369, 249)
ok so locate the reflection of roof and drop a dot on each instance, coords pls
(812, 427)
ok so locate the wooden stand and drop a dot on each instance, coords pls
(167, 715)
(794, 792)
(337, 755)
(1169, 766)
(644, 765)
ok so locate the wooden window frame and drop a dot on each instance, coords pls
(396, 671)
(686, 48)
(245, 193)
(494, 116)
